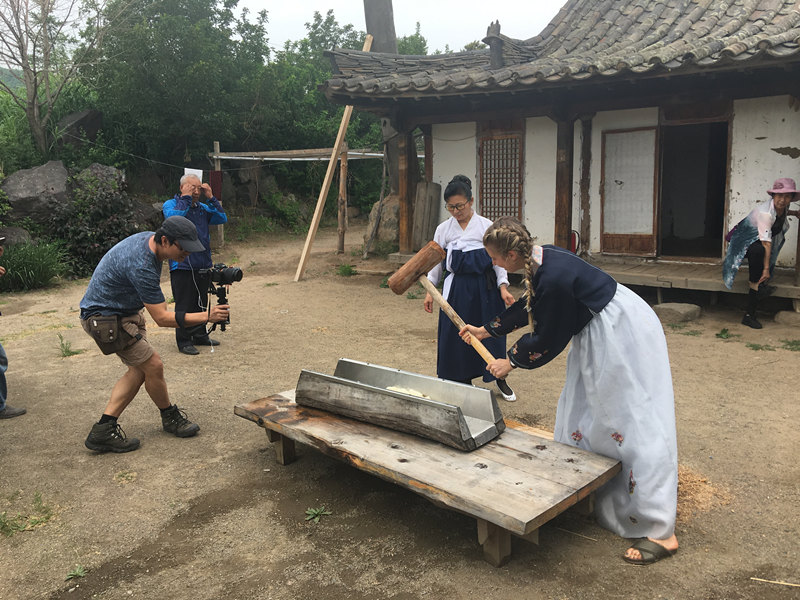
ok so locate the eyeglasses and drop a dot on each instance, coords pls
(455, 207)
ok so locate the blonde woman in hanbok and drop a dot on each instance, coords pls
(617, 399)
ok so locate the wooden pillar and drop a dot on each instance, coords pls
(563, 203)
(342, 198)
(218, 231)
(586, 173)
(428, 137)
(407, 189)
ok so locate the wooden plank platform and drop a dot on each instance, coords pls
(692, 276)
(512, 485)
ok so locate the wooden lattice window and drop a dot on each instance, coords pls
(501, 169)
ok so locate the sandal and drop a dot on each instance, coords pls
(651, 552)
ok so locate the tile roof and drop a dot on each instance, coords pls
(588, 39)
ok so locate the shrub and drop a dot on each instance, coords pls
(99, 216)
(31, 266)
(286, 210)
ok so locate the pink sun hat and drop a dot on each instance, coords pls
(784, 185)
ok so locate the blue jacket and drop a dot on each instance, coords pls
(202, 215)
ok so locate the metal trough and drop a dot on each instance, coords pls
(456, 414)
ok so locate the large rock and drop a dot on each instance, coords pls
(79, 125)
(388, 229)
(33, 193)
(15, 235)
(676, 312)
(107, 177)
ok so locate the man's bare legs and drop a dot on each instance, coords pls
(151, 374)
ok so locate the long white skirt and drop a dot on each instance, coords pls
(618, 402)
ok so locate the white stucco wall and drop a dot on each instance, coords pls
(605, 121)
(455, 150)
(765, 132)
(539, 191)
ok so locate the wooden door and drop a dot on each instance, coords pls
(628, 192)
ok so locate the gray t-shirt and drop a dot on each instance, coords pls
(125, 279)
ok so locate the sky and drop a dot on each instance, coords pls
(442, 22)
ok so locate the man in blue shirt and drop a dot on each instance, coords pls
(126, 280)
(189, 277)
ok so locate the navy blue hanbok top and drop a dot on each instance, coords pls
(568, 292)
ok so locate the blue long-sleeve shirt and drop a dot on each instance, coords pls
(202, 215)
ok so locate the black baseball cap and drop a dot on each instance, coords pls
(183, 231)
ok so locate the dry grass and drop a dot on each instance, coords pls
(696, 494)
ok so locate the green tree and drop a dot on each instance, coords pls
(35, 40)
(414, 44)
(174, 75)
(476, 45)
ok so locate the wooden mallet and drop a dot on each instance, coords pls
(417, 269)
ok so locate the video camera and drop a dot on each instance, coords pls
(222, 275)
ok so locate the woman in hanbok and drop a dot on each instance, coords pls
(472, 286)
(617, 399)
(759, 237)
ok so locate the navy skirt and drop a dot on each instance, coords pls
(476, 299)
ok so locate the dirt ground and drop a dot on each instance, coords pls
(216, 517)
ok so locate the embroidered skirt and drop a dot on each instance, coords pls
(618, 401)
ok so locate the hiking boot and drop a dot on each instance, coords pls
(205, 341)
(9, 412)
(188, 349)
(174, 421)
(751, 322)
(109, 437)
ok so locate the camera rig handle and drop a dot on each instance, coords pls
(222, 298)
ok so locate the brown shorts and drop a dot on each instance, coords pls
(137, 351)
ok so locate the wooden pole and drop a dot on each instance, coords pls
(586, 172)
(342, 198)
(219, 231)
(326, 184)
(563, 205)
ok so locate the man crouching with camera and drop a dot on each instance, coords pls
(126, 280)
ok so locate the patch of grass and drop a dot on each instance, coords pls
(676, 326)
(385, 282)
(47, 312)
(692, 332)
(793, 345)
(77, 572)
(270, 284)
(757, 347)
(31, 266)
(39, 515)
(357, 252)
(66, 347)
(249, 225)
(253, 263)
(315, 514)
(383, 249)
(724, 334)
(123, 477)
(346, 270)
(416, 292)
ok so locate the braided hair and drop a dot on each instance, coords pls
(506, 234)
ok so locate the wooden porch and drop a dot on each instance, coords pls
(692, 276)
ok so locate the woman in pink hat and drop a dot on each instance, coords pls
(759, 237)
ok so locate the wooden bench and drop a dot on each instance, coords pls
(512, 485)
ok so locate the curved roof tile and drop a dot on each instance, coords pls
(588, 39)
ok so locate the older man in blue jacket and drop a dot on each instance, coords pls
(189, 278)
